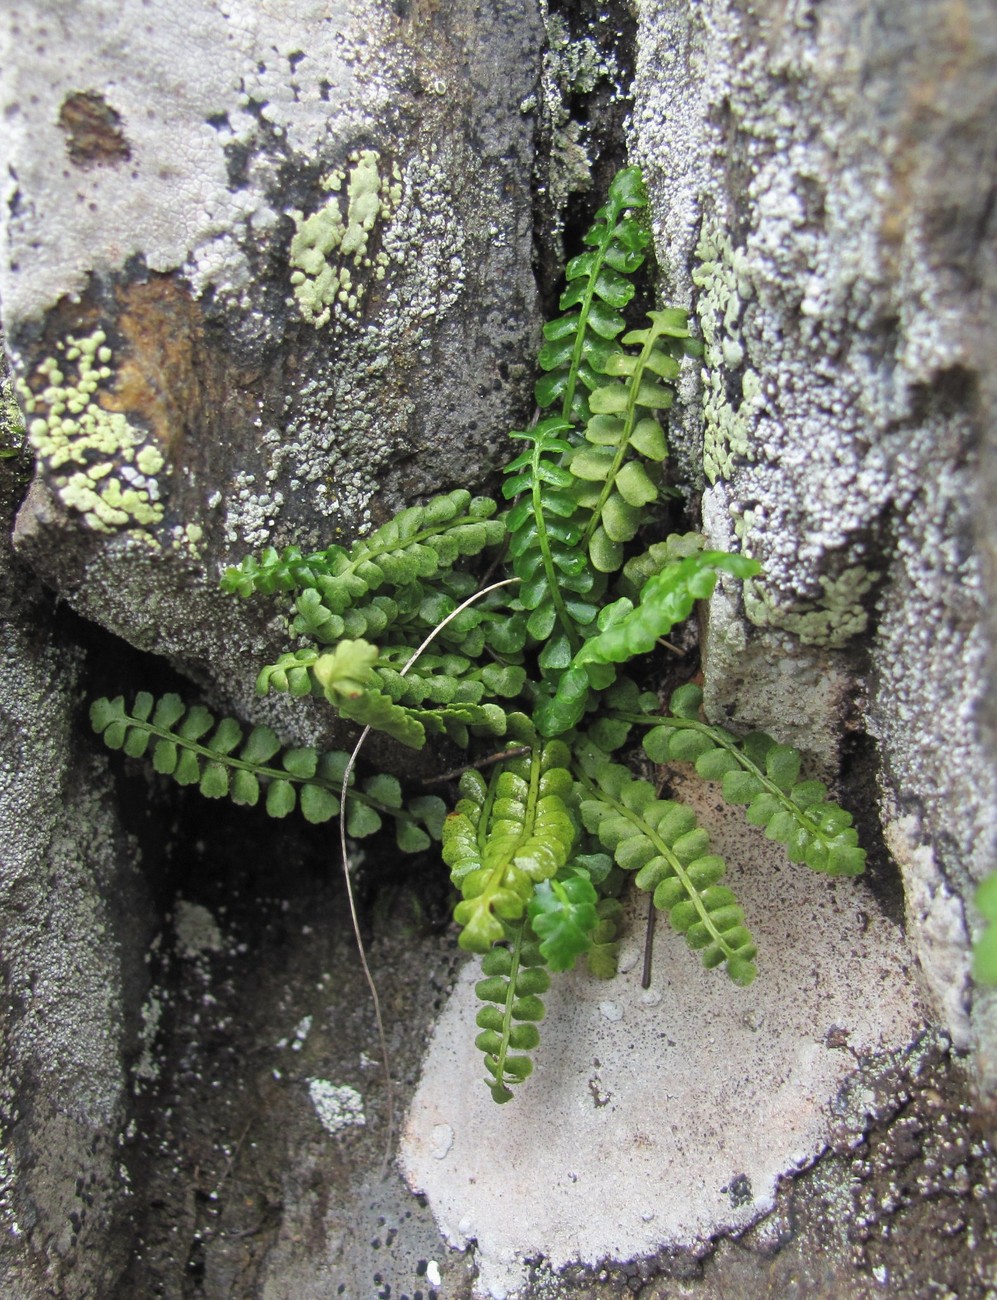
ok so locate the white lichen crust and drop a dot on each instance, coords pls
(817, 201)
(338, 1106)
(723, 288)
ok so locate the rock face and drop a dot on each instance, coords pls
(823, 183)
(72, 936)
(267, 275)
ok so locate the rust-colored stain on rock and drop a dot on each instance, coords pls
(93, 130)
(161, 373)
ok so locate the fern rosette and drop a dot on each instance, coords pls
(397, 632)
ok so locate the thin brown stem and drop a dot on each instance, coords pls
(645, 977)
(345, 861)
(456, 772)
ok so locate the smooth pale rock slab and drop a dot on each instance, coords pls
(660, 1118)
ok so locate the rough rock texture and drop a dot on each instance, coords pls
(72, 934)
(267, 275)
(824, 197)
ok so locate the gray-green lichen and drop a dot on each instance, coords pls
(724, 286)
(329, 247)
(831, 620)
(572, 66)
(97, 462)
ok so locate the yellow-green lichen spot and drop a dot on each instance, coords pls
(330, 251)
(98, 464)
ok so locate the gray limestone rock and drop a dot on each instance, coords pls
(823, 181)
(268, 277)
(74, 923)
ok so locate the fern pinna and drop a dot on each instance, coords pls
(542, 840)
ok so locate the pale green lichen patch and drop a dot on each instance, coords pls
(332, 244)
(99, 464)
(830, 621)
(724, 287)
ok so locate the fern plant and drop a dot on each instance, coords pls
(985, 948)
(541, 841)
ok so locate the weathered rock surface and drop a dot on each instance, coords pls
(268, 276)
(73, 931)
(824, 197)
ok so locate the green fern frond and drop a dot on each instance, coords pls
(412, 611)
(557, 588)
(514, 979)
(350, 683)
(505, 836)
(637, 570)
(439, 679)
(365, 691)
(764, 776)
(189, 745)
(448, 678)
(619, 484)
(580, 342)
(314, 619)
(660, 840)
(273, 571)
(625, 631)
(985, 948)
(666, 598)
(417, 543)
(563, 914)
(604, 947)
